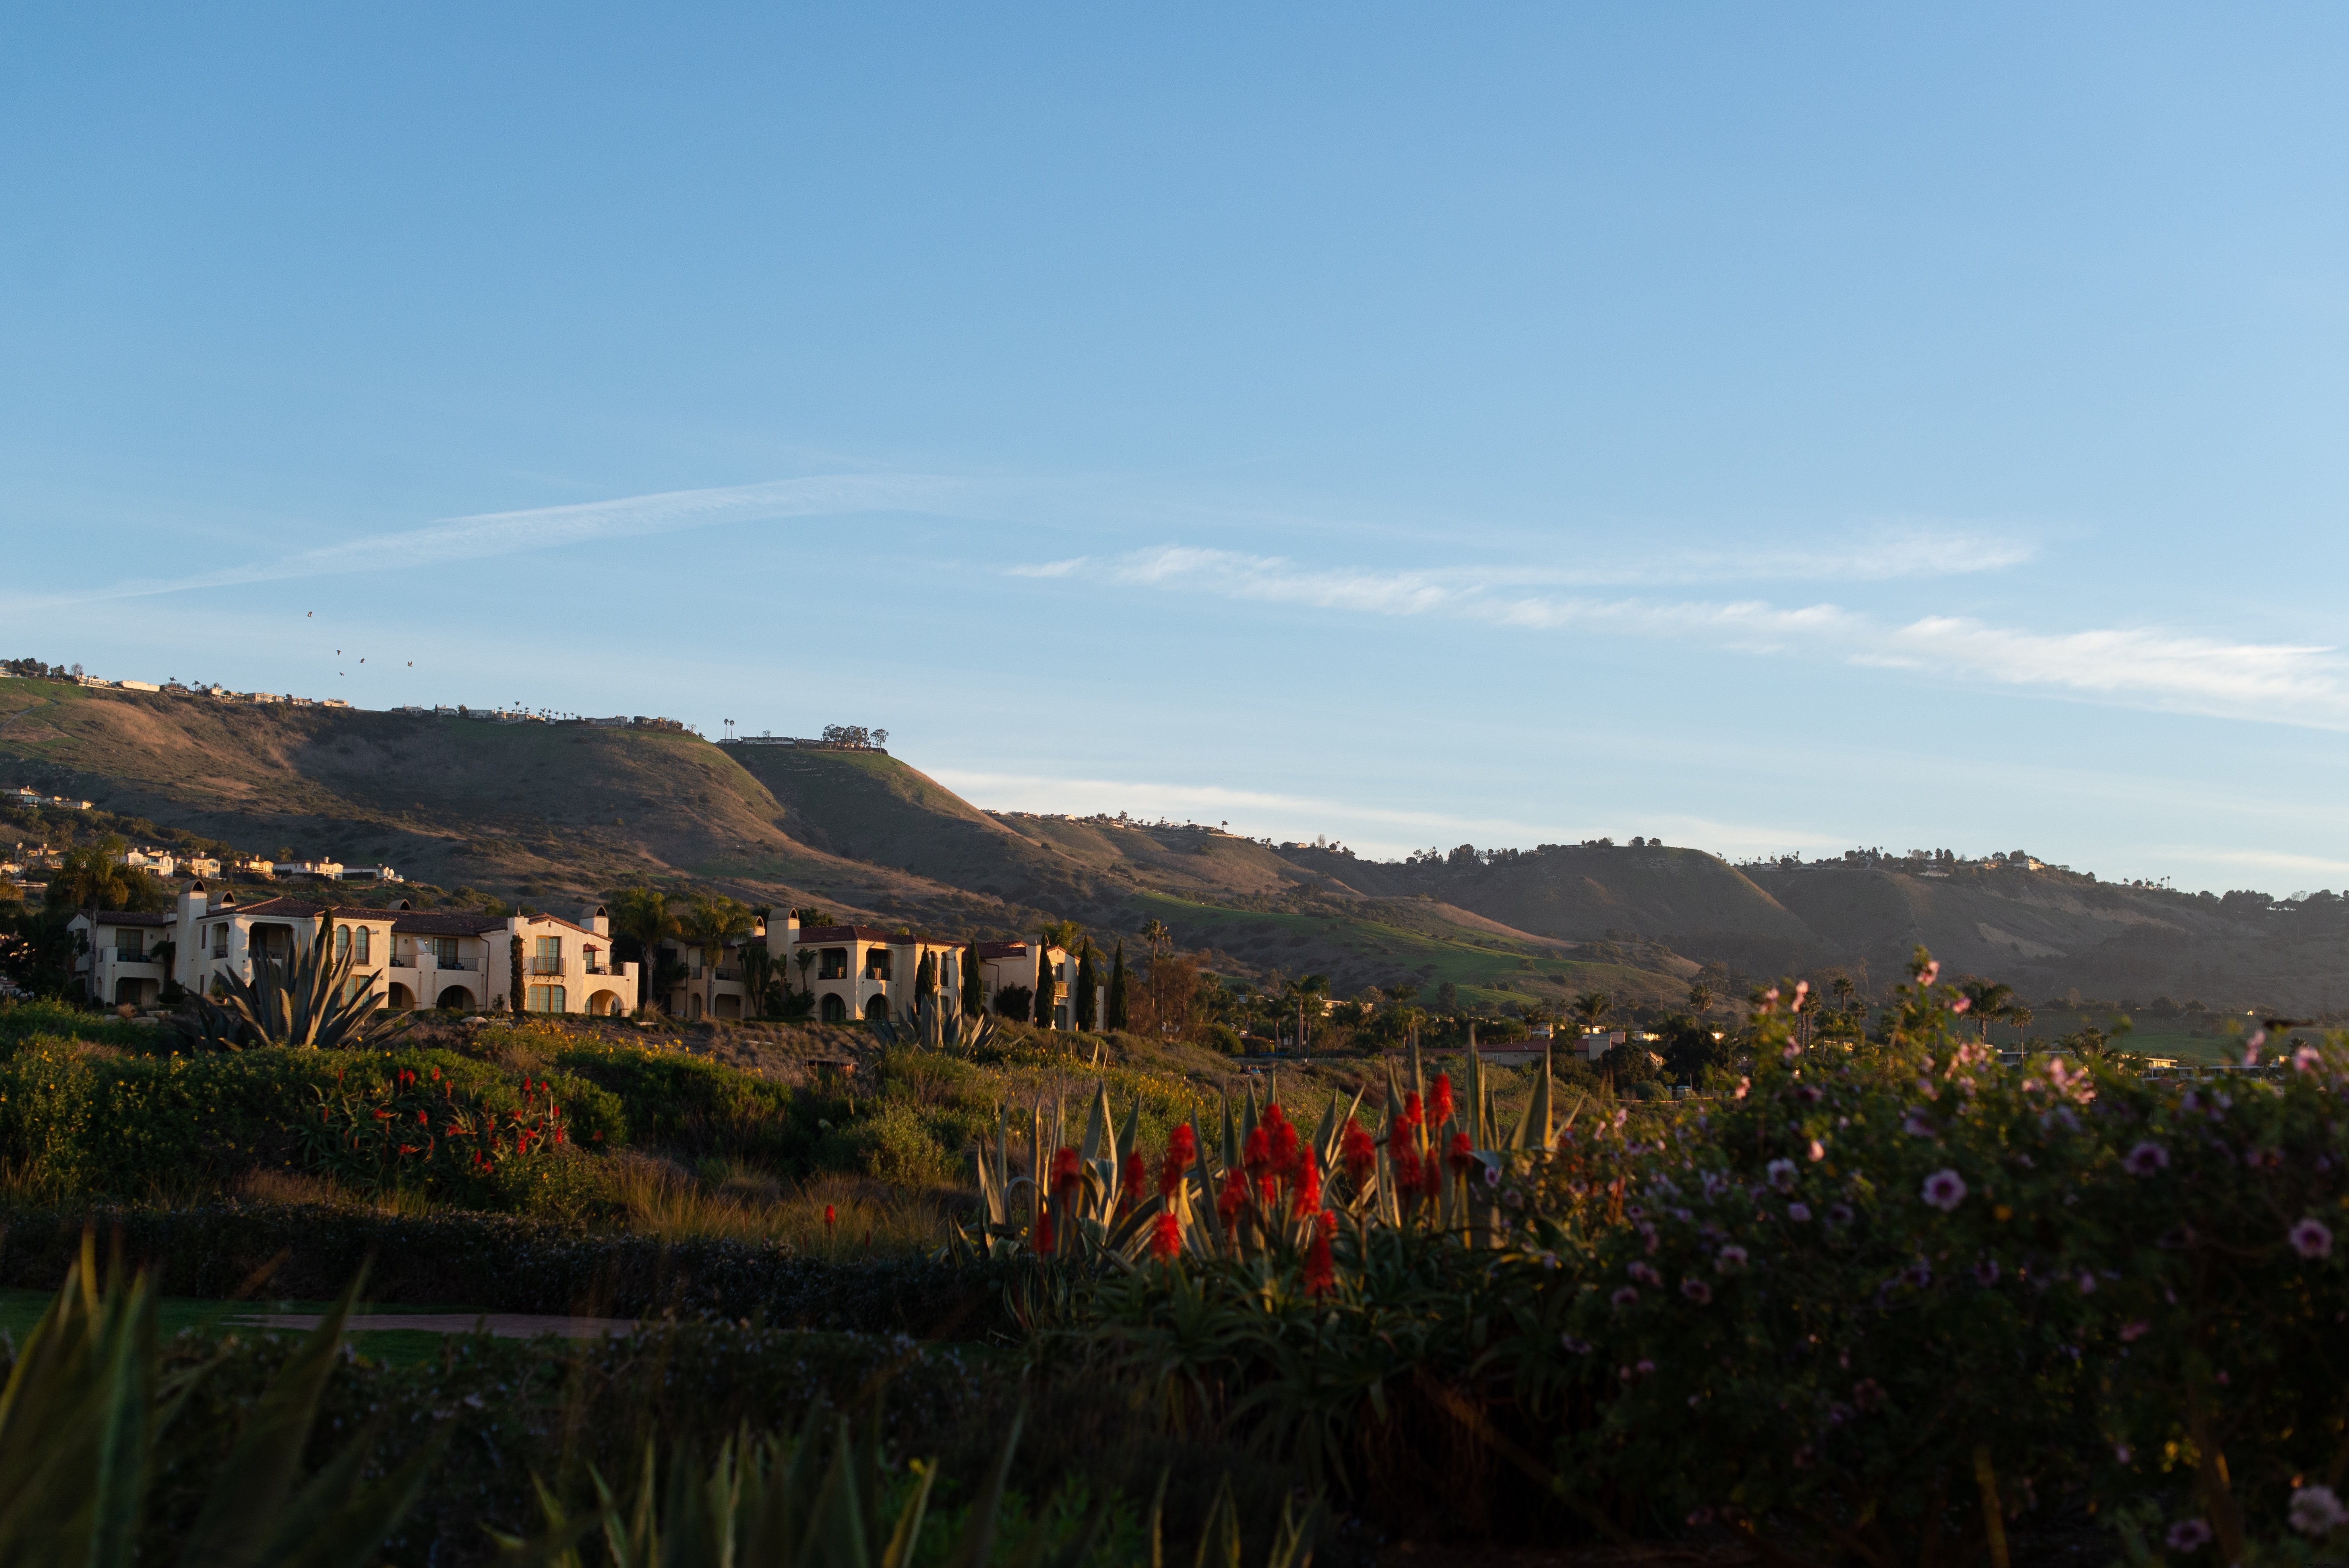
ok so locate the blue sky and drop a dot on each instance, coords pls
(1770, 430)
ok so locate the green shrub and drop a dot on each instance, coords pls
(77, 1123)
(695, 1108)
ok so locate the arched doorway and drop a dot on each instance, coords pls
(693, 1005)
(835, 1010)
(603, 1003)
(401, 999)
(876, 1011)
(125, 990)
(456, 999)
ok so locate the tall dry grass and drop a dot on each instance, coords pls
(724, 1199)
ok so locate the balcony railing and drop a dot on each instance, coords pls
(729, 973)
(403, 961)
(546, 966)
(454, 963)
(130, 955)
(220, 951)
(599, 969)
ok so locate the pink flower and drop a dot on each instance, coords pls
(1730, 1259)
(2189, 1536)
(1986, 1273)
(1917, 1124)
(2146, 1159)
(1645, 1273)
(1931, 972)
(1744, 1085)
(2307, 1059)
(2135, 1328)
(1624, 1295)
(1961, 1003)
(2316, 1511)
(1697, 1291)
(2087, 1283)
(1945, 1190)
(1799, 1212)
(1781, 1174)
(2311, 1239)
(1818, 1151)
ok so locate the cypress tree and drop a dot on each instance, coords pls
(1087, 990)
(514, 968)
(1117, 1006)
(1047, 986)
(926, 977)
(974, 983)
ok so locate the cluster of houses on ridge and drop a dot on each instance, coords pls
(408, 958)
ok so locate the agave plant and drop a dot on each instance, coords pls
(931, 1024)
(86, 1399)
(308, 1000)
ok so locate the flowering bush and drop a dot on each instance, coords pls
(1879, 1302)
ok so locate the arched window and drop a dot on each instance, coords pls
(342, 943)
(362, 940)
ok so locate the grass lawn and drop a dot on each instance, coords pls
(20, 1310)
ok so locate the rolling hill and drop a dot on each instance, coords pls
(554, 814)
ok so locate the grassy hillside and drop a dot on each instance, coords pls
(554, 813)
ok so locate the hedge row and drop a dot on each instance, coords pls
(501, 1263)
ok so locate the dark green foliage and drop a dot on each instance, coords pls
(515, 996)
(690, 1106)
(1015, 1002)
(308, 1001)
(1048, 990)
(974, 983)
(1118, 1018)
(1088, 987)
(126, 1127)
(498, 1263)
(926, 976)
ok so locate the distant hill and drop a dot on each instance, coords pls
(557, 814)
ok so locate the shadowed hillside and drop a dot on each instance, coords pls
(559, 812)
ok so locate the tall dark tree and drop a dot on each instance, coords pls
(974, 983)
(1119, 1017)
(1047, 986)
(513, 973)
(926, 978)
(1088, 989)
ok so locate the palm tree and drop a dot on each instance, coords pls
(1843, 988)
(758, 973)
(1987, 1000)
(1299, 991)
(711, 920)
(1159, 939)
(642, 914)
(805, 959)
(1700, 997)
(1592, 1007)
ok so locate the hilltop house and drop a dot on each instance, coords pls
(858, 971)
(407, 958)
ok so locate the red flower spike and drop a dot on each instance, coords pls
(1135, 1178)
(1232, 1198)
(1439, 1110)
(1044, 1235)
(1166, 1238)
(1307, 1196)
(1066, 1169)
(1406, 1175)
(1460, 1156)
(1257, 1152)
(829, 1218)
(1182, 1145)
(1358, 1153)
(1284, 1149)
(1320, 1268)
(1413, 1119)
(1273, 1115)
(1268, 1190)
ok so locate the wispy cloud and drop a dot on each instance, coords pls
(2296, 684)
(1048, 568)
(490, 533)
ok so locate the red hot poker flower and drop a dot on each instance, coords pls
(1182, 1144)
(1320, 1268)
(1284, 1149)
(1065, 1168)
(829, 1218)
(1232, 1198)
(1439, 1110)
(1460, 1156)
(1165, 1238)
(1306, 1198)
(1044, 1234)
(1136, 1177)
(1257, 1153)
(1359, 1154)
